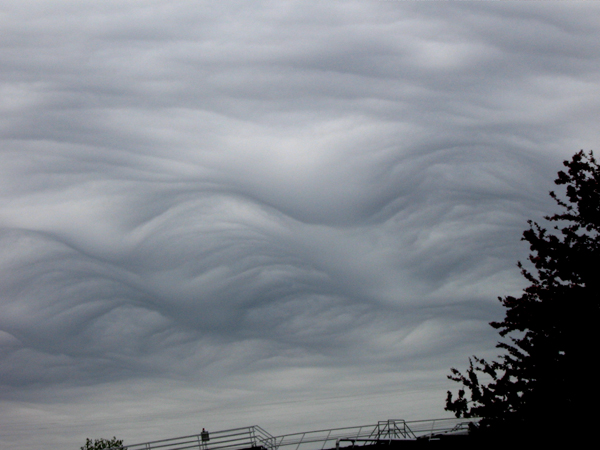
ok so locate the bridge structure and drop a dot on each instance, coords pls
(256, 438)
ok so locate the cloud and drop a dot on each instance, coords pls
(268, 213)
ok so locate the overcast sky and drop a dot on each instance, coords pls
(296, 214)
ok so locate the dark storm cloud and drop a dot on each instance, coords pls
(225, 210)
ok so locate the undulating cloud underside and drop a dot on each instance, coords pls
(291, 214)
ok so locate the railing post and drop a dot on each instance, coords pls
(301, 439)
(326, 439)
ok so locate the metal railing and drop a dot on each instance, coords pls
(379, 433)
(234, 439)
(254, 437)
(324, 438)
(433, 427)
(393, 429)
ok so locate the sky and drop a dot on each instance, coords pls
(294, 214)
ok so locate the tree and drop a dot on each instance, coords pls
(101, 444)
(544, 383)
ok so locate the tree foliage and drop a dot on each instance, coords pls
(102, 444)
(543, 383)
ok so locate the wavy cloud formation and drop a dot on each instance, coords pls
(285, 213)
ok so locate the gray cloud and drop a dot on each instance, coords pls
(286, 213)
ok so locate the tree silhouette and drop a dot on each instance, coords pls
(102, 444)
(544, 384)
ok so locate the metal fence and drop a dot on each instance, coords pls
(234, 439)
(254, 437)
(381, 432)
